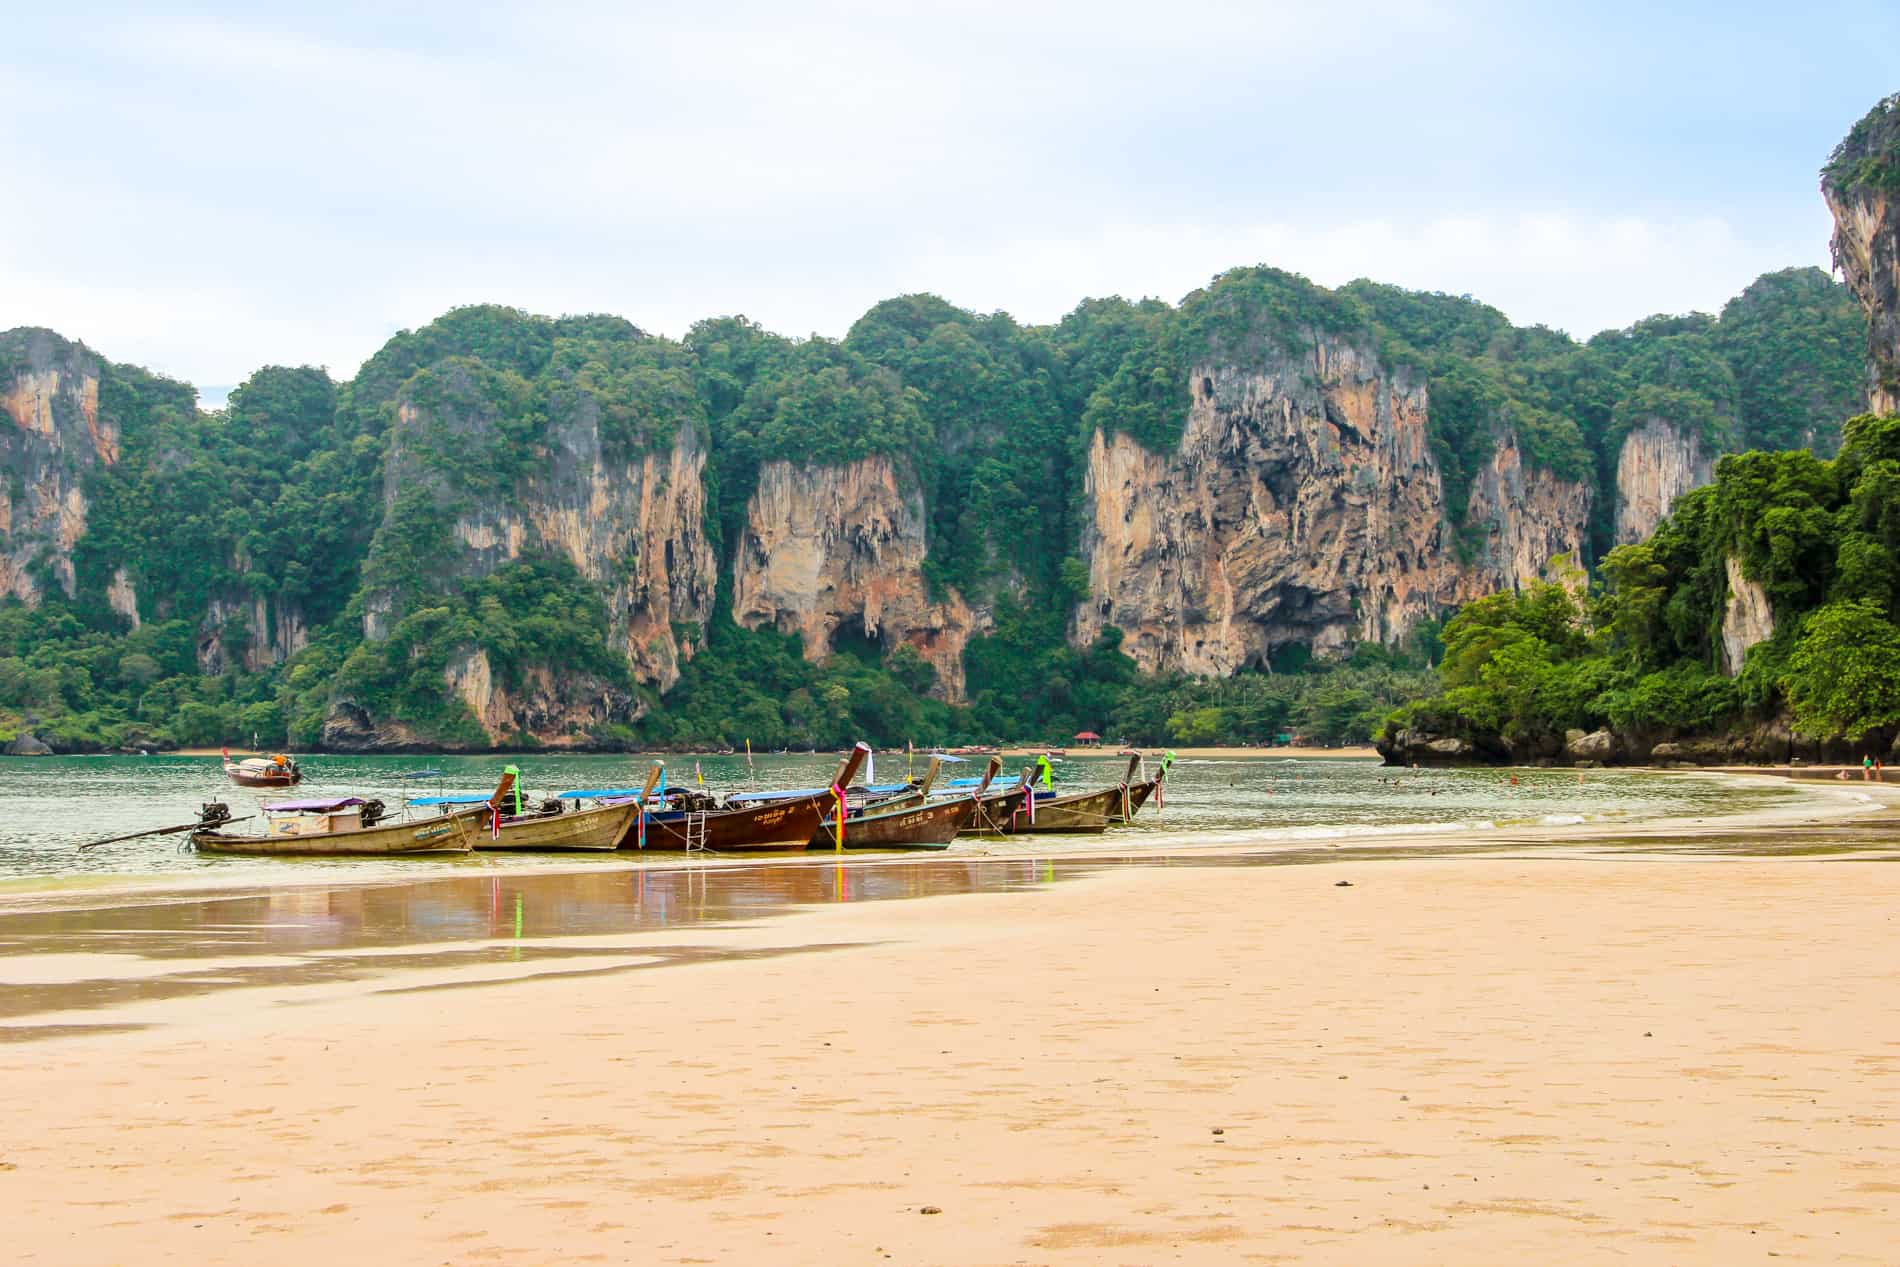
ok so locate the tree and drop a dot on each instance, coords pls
(1843, 677)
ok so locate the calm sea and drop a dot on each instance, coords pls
(49, 805)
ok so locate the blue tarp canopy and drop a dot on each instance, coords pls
(467, 798)
(947, 759)
(875, 789)
(602, 793)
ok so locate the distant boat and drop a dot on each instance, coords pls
(276, 770)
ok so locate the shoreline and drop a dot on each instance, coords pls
(1822, 801)
(1352, 751)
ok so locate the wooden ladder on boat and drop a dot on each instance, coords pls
(696, 832)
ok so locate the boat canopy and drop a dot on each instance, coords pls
(318, 805)
(458, 798)
(600, 794)
(875, 789)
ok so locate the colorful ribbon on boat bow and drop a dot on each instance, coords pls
(839, 793)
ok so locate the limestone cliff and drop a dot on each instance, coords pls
(1747, 617)
(51, 436)
(632, 523)
(1862, 186)
(1657, 464)
(560, 709)
(1302, 505)
(270, 632)
(827, 548)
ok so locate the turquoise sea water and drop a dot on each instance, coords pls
(49, 805)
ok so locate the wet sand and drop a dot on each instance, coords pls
(1571, 1054)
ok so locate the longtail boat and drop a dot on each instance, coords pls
(342, 827)
(907, 827)
(512, 823)
(995, 812)
(775, 825)
(1138, 793)
(276, 770)
(907, 796)
(1078, 812)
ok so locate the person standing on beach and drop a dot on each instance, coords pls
(1867, 768)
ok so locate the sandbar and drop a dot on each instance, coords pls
(1514, 1058)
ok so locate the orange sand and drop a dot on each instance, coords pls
(1455, 1061)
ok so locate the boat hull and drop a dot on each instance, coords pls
(1084, 812)
(779, 825)
(253, 778)
(602, 828)
(919, 827)
(449, 834)
(1138, 794)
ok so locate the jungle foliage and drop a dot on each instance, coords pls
(1643, 652)
(259, 538)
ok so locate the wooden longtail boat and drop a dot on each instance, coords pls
(277, 770)
(910, 798)
(1080, 812)
(915, 827)
(600, 828)
(557, 828)
(775, 825)
(346, 826)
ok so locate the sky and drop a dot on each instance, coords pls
(204, 190)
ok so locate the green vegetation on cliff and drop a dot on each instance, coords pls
(263, 539)
(1643, 655)
(1869, 155)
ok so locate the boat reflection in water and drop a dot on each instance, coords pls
(189, 946)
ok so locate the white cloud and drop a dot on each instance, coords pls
(208, 194)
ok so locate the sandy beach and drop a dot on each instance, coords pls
(1563, 1058)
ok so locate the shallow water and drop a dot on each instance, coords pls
(73, 969)
(49, 805)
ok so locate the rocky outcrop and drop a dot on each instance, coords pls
(348, 727)
(1657, 464)
(1302, 505)
(554, 710)
(1747, 617)
(1597, 746)
(269, 632)
(1862, 188)
(28, 745)
(632, 523)
(52, 434)
(831, 548)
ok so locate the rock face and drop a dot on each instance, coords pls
(272, 632)
(1747, 617)
(51, 435)
(831, 548)
(1862, 188)
(348, 727)
(633, 523)
(556, 710)
(1656, 465)
(1302, 505)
